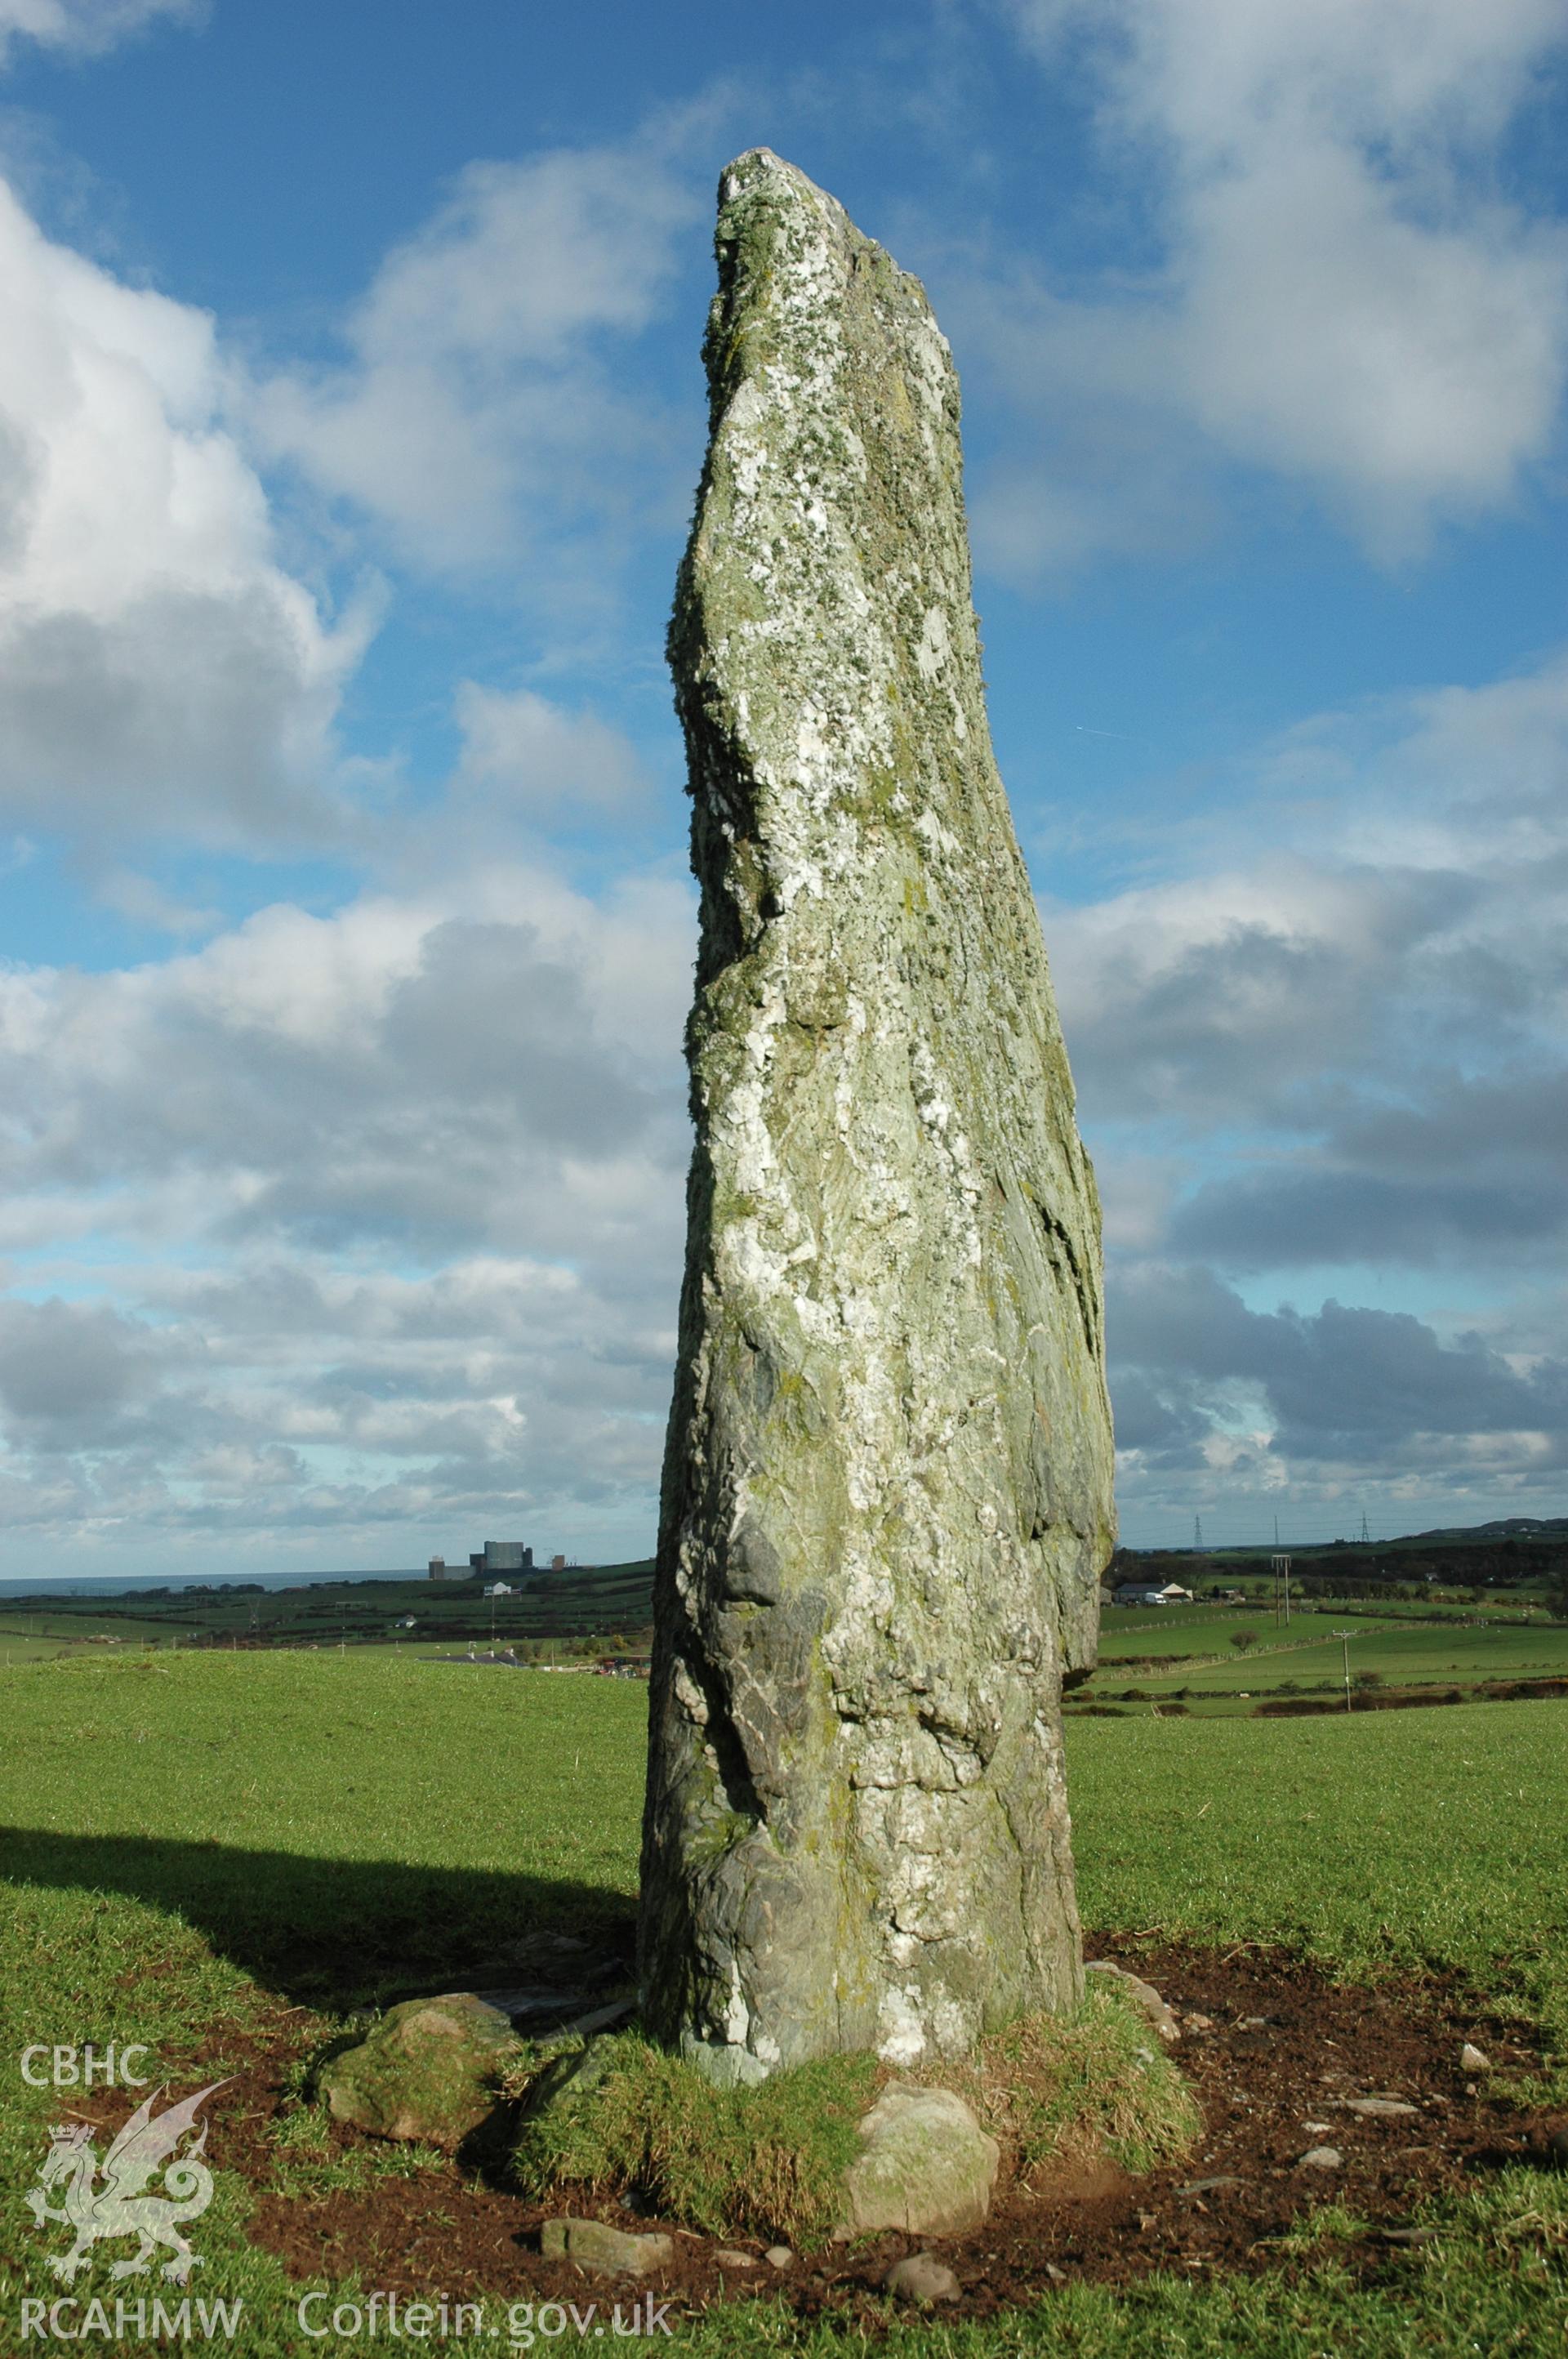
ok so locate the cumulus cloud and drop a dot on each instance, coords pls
(1207, 1385)
(1468, 1172)
(1229, 999)
(1351, 1050)
(70, 1373)
(380, 1212)
(527, 760)
(1345, 1056)
(483, 412)
(87, 27)
(1342, 294)
(402, 1070)
(158, 669)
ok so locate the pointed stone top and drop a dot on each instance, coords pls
(761, 182)
(753, 163)
(760, 170)
(832, 535)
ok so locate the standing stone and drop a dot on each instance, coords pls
(887, 1491)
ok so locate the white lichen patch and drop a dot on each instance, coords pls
(935, 645)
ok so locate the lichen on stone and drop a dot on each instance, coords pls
(887, 1494)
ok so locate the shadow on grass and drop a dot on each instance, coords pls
(324, 1931)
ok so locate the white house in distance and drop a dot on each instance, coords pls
(1141, 1592)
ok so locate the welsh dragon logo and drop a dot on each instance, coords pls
(118, 2207)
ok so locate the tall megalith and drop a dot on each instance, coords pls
(887, 1490)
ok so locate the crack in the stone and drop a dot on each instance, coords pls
(1059, 1245)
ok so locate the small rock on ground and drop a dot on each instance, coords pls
(595, 2246)
(925, 2166)
(425, 2071)
(1471, 2059)
(1321, 2158)
(727, 2259)
(1382, 2109)
(1144, 1994)
(922, 2278)
(778, 2256)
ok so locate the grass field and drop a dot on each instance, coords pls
(1396, 1653)
(1194, 1657)
(544, 1608)
(190, 1839)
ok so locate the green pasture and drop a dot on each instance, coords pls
(1398, 1654)
(1374, 1840)
(1169, 1629)
(327, 1820)
(31, 1649)
(28, 1638)
(1180, 1632)
(190, 1840)
(358, 1611)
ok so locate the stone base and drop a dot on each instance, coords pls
(926, 2167)
(426, 2071)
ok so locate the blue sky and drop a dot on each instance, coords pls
(350, 416)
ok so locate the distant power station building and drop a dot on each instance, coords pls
(505, 1556)
(495, 1555)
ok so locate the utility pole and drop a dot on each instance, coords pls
(1366, 1535)
(1281, 1567)
(1197, 1534)
(1344, 1637)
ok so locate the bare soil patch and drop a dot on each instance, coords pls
(1274, 2053)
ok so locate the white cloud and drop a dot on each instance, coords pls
(87, 27)
(349, 1232)
(484, 413)
(379, 1215)
(70, 1371)
(1407, 367)
(524, 759)
(432, 1071)
(1221, 76)
(1279, 1404)
(158, 670)
(1346, 1055)
(144, 902)
(1400, 940)
(1216, 1001)
(1345, 297)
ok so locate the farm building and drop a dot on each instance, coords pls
(1138, 1593)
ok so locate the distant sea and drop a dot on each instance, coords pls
(105, 1586)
